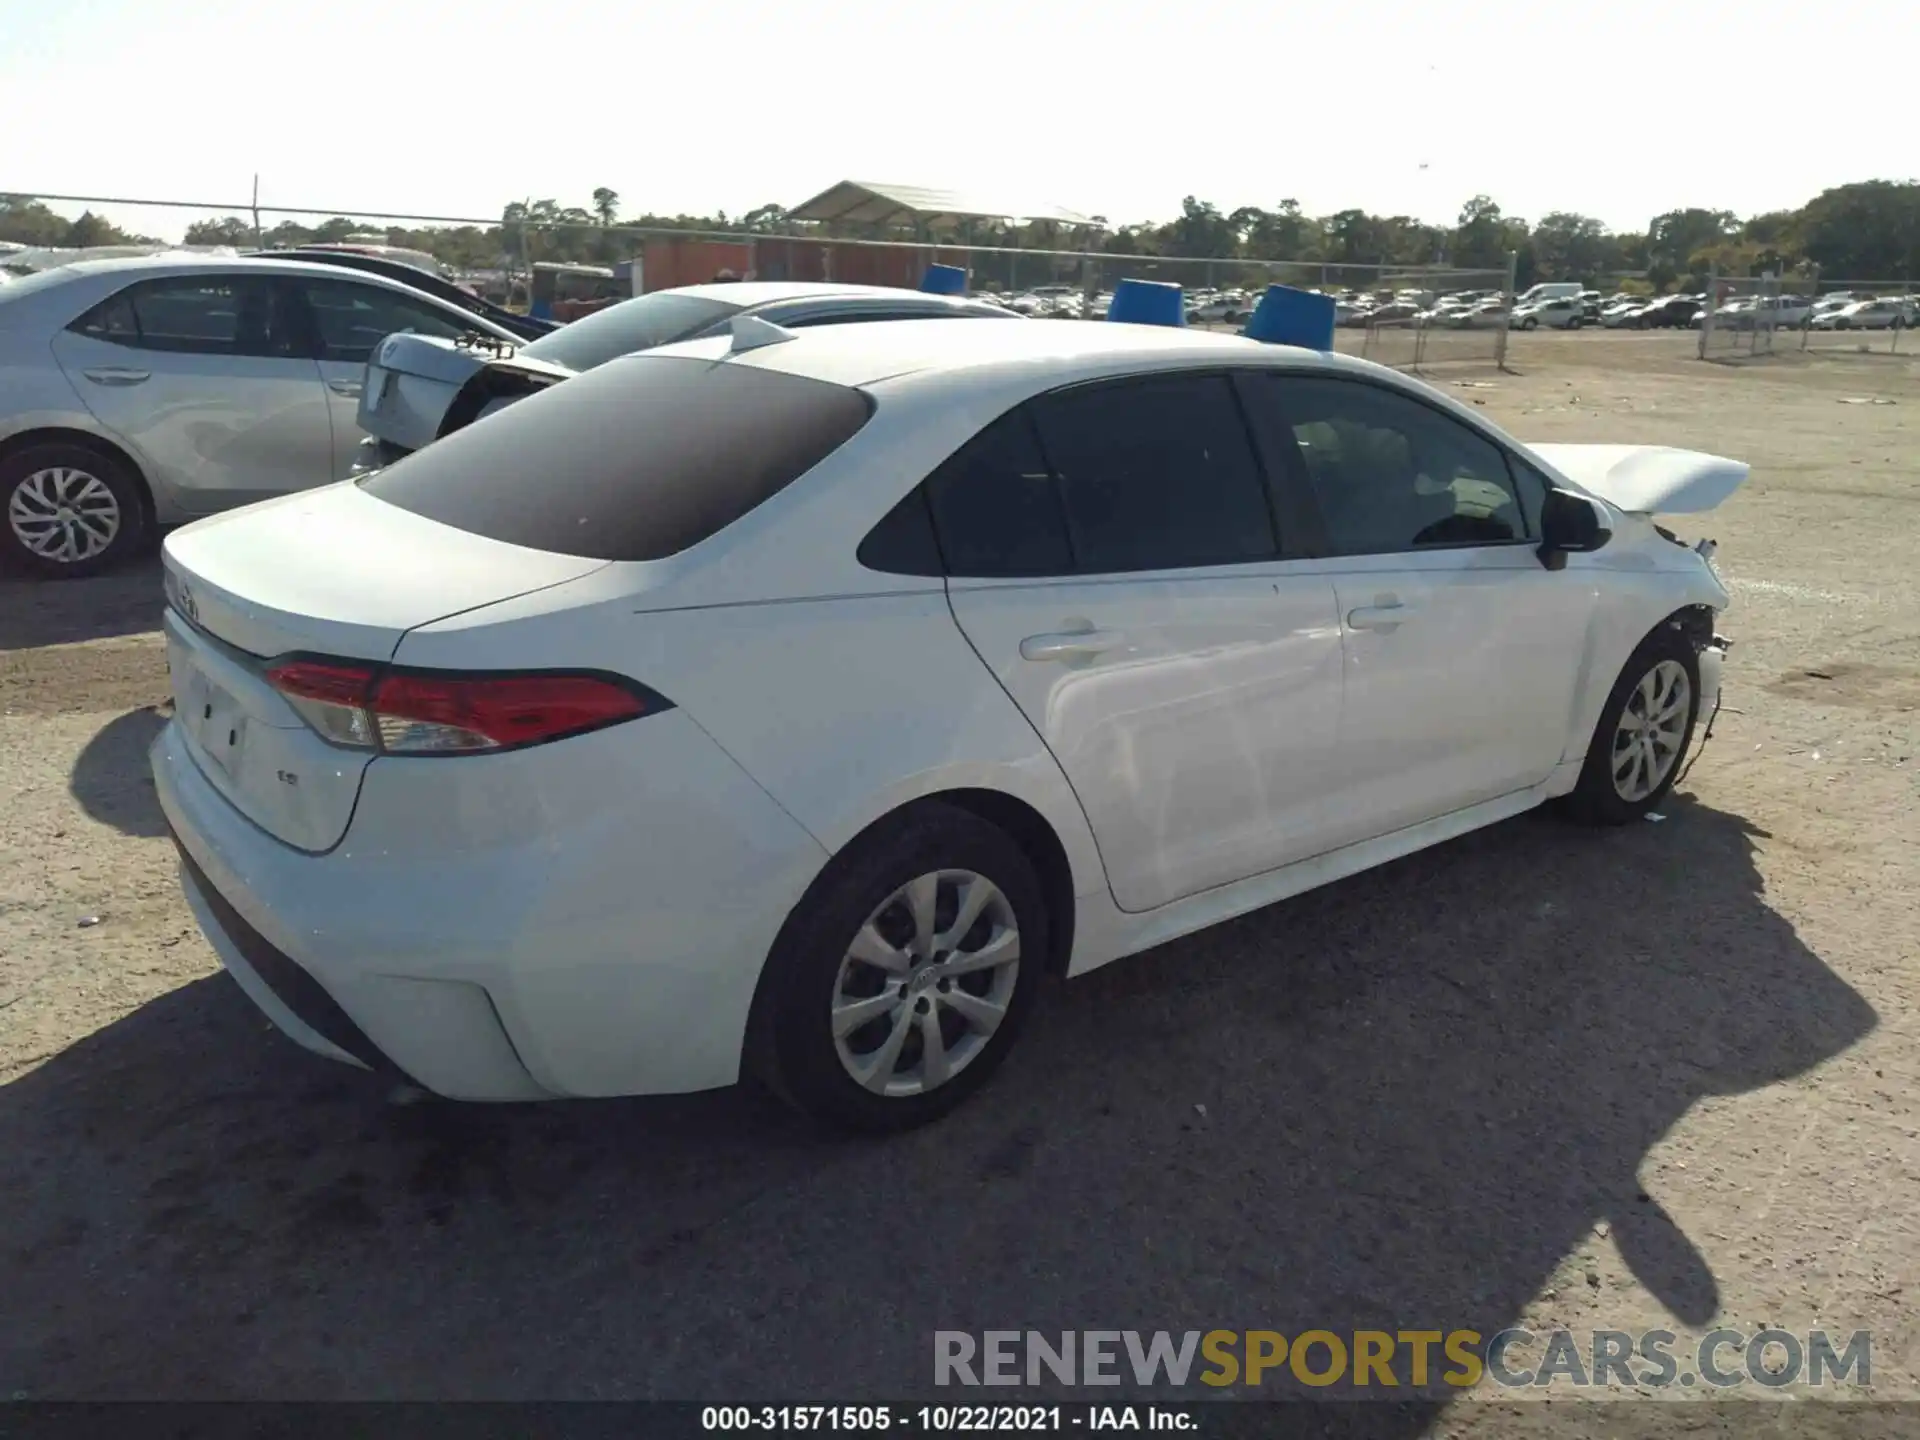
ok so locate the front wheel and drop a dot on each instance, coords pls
(1644, 731)
(1529, 323)
(901, 980)
(70, 511)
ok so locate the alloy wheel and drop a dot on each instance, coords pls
(925, 983)
(64, 515)
(1652, 728)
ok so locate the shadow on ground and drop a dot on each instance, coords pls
(37, 612)
(111, 779)
(1423, 1088)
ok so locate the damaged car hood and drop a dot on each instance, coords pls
(1647, 479)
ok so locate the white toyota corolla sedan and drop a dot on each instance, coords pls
(790, 704)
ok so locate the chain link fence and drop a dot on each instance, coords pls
(1740, 316)
(1408, 316)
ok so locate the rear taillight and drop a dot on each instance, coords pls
(420, 712)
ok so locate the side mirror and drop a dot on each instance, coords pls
(1570, 523)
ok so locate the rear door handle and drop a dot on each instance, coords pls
(116, 375)
(349, 388)
(1389, 616)
(1070, 645)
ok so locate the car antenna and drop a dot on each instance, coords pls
(750, 332)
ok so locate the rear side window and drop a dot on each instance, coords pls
(1156, 474)
(636, 460)
(196, 315)
(995, 507)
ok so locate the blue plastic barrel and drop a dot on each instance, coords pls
(945, 280)
(1148, 302)
(1286, 316)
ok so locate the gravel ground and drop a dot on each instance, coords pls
(1655, 1077)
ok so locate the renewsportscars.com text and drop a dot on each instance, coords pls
(1411, 1359)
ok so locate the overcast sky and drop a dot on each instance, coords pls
(1618, 111)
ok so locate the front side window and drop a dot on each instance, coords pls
(195, 315)
(349, 319)
(1390, 474)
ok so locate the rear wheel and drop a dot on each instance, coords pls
(1643, 734)
(900, 982)
(70, 511)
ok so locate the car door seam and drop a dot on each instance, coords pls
(1106, 872)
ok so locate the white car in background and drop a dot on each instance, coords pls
(140, 393)
(1483, 315)
(1562, 312)
(790, 703)
(1891, 313)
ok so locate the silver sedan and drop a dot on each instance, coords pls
(141, 393)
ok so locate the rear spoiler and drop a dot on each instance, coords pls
(1647, 479)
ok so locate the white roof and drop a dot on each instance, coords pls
(869, 353)
(762, 292)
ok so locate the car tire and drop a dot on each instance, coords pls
(839, 950)
(1529, 323)
(1614, 786)
(60, 499)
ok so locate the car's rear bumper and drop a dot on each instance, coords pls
(584, 918)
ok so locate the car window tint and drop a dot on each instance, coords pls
(636, 460)
(637, 324)
(1156, 474)
(195, 314)
(1391, 474)
(1530, 487)
(994, 507)
(349, 320)
(903, 542)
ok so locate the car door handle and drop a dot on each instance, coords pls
(349, 388)
(1388, 616)
(116, 375)
(1070, 645)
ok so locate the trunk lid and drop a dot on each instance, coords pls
(328, 572)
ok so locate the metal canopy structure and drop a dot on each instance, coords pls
(861, 202)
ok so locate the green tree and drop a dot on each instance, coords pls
(227, 230)
(1868, 231)
(1200, 232)
(1675, 238)
(25, 221)
(1482, 237)
(1567, 246)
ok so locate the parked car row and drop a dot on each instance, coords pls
(140, 393)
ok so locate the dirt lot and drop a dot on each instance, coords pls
(1658, 1077)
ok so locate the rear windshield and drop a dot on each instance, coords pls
(637, 324)
(635, 461)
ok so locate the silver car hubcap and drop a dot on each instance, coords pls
(925, 983)
(64, 515)
(1652, 727)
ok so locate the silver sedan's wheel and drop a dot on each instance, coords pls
(1652, 731)
(925, 983)
(64, 515)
